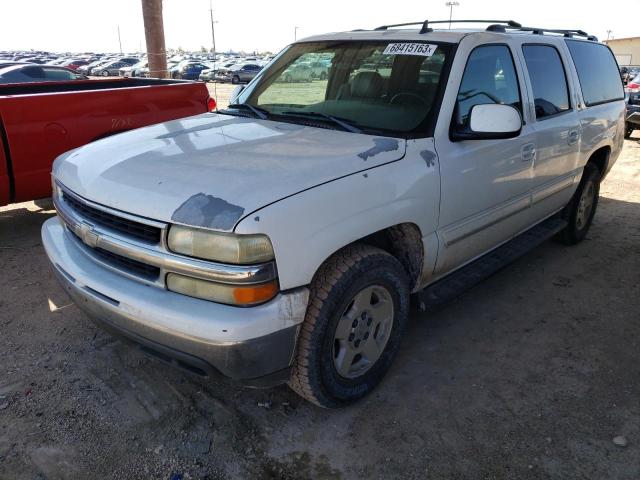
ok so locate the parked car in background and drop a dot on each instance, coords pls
(65, 115)
(88, 69)
(134, 70)
(242, 73)
(633, 85)
(624, 74)
(10, 63)
(320, 69)
(112, 68)
(298, 72)
(208, 74)
(57, 61)
(144, 71)
(188, 70)
(74, 64)
(632, 120)
(38, 73)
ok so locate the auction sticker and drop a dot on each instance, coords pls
(421, 49)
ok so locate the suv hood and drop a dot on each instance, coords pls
(211, 170)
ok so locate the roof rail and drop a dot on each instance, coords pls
(500, 26)
(425, 24)
(566, 33)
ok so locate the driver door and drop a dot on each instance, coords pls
(484, 183)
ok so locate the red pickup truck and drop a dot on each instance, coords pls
(39, 121)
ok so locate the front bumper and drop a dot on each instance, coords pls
(633, 117)
(254, 345)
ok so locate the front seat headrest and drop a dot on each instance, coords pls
(366, 85)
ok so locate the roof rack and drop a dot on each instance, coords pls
(500, 26)
(566, 33)
(425, 24)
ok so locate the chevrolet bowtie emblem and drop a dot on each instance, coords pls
(89, 235)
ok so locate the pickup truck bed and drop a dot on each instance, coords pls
(39, 121)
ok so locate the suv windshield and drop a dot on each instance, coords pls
(376, 87)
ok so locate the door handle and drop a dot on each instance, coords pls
(528, 152)
(574, 136)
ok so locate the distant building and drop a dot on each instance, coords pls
(626, 50)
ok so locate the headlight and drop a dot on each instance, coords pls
(241, 295)
(220, 247)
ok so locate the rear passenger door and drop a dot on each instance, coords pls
(485, 184)
(557, 127)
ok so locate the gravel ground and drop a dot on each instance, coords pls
(531, 374)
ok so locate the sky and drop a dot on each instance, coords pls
(268, 25)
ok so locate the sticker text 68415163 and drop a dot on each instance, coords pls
(421, 49)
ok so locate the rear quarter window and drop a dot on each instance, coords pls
(597, 71)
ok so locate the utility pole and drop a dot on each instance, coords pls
(451, 5)
(119, 40)
(295, 33)
(154, 35)
(213, 32)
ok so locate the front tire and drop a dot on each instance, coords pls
(358, 309)
(581, 209)
(105, 73)
(235, 80)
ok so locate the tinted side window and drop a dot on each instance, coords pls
(548, 80)
(57, 74)
(33, 72)
(489, 77)
(597, 71)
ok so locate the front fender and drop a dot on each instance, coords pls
(306, 228)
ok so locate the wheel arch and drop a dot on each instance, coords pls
(600, 158)
(404, 242)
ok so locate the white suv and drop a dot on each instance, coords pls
(279, 240)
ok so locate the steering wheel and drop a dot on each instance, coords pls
(407, 94)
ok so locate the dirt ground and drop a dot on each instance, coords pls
(221, 92)
(530, 375)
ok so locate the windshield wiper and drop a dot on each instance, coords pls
(338, 121)
(261, 113)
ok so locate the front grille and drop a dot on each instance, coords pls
(132, 266)
(148, 272)
(131, 228)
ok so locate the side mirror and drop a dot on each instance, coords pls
(491, 121)
(235, 93)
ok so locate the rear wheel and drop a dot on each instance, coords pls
(581, 209)
(357, 312)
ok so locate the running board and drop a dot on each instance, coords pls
(468, 276)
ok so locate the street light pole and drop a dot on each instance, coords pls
(119, 40)
(295, 33)
(609, 34)
(451, 5)
(213, 32)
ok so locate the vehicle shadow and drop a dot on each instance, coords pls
(20, 224)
